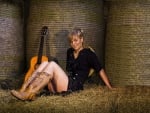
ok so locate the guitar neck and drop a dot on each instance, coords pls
(40, 50)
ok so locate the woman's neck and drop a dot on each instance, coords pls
(76, 52)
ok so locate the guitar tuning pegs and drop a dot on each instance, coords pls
(44, 30)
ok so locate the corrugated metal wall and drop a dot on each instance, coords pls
(61, 16)
(127, 46)
(11, 39)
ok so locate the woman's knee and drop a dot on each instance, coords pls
(46, 63)
(50, 67)
(52, 63)
(43, 64)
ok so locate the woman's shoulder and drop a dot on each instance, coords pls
(89, 50)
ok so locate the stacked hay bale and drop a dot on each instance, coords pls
(127, 55)
(61, 16)
(11, 38)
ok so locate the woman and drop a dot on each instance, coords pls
(79, 62)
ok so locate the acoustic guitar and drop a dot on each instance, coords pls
(36, 60)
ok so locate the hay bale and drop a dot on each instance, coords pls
(11, 39)
(61, 16)
(127, 42)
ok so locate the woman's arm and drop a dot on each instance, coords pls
(105, 78)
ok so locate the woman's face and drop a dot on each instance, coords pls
(76, 42)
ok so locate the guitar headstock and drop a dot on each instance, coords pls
(44, 31)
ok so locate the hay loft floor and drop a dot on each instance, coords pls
(93, 99)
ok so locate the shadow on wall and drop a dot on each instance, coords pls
(61, 46)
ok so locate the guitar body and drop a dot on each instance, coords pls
(34, 65)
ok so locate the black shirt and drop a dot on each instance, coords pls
(79, 67)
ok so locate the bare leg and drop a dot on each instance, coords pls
(51, 86)
(51, 71)
(59, 77)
